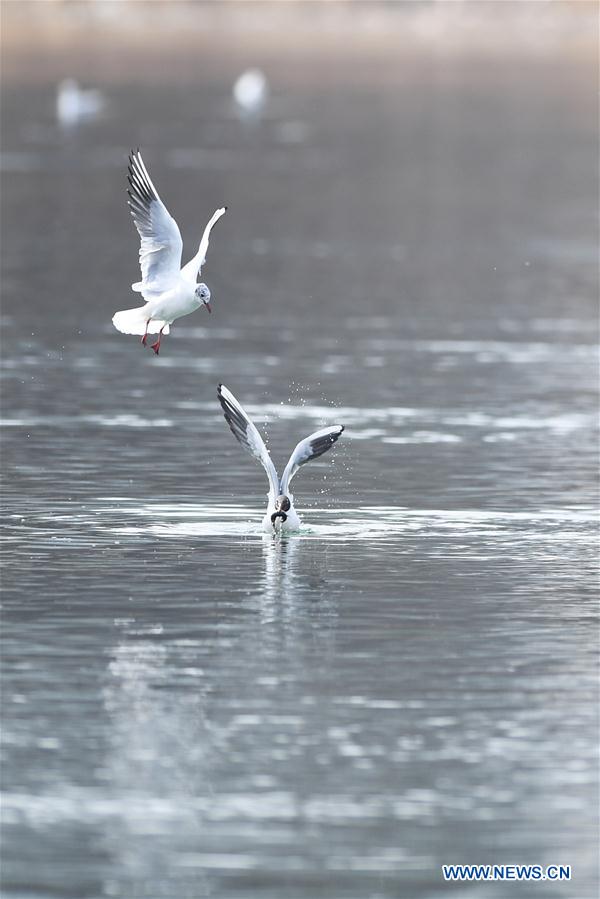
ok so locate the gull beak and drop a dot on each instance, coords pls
(277, 515)
(208, 307)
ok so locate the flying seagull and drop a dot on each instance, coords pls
(169, 292)
(280, 514)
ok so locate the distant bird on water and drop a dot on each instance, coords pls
(170, 292)
(250, 92)
(75, 105)
(280, 514)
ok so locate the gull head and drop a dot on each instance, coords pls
(282, 505)
(203, 295)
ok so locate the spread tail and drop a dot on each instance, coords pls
(133, 321)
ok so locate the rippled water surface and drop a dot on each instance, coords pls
(193, 708)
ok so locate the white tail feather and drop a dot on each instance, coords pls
(138, 286)
(133, 321)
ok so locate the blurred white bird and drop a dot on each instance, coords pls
(74, 105)
(280, 514)
(169, 292)
(250, 92)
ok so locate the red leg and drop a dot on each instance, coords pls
(156, 346)
(145, 337)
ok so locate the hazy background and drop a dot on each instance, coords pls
(191, 708)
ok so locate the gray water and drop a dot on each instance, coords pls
(193, 708)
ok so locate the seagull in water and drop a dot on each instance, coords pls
(74, 105)
(170, 292)
(280, 514)
(250, 93)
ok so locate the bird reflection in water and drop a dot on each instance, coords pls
(296, 595)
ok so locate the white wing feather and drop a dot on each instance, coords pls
(161, 245)
(246, 433)
(192, 269)
(310, 448)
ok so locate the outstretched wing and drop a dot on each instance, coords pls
(191, 269)
(248, 436)
(310, 448)
(161, 244)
